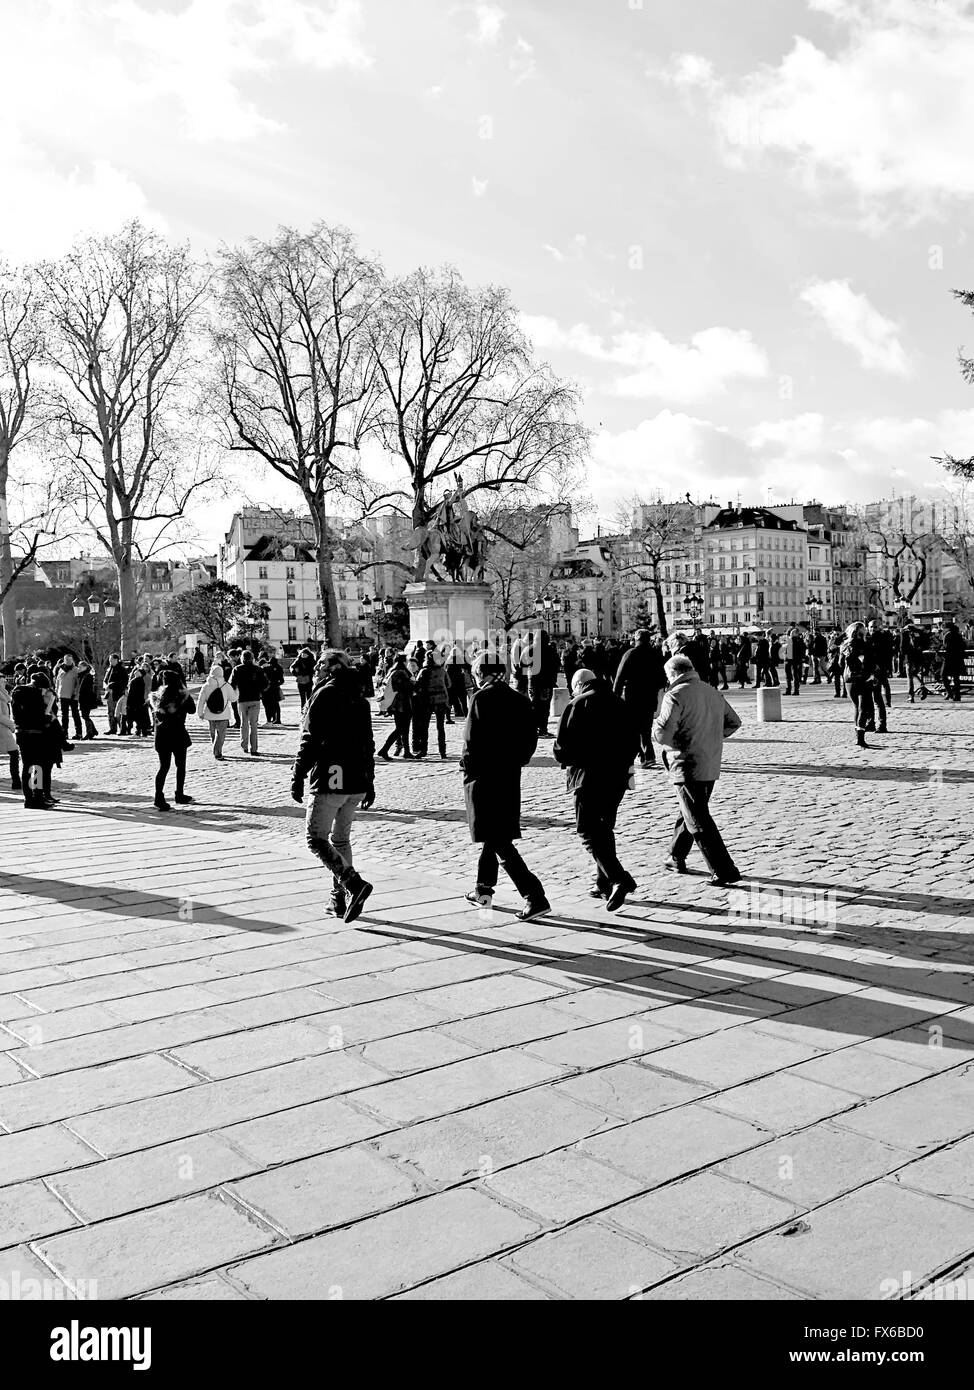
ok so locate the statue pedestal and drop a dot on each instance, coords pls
(448, 613)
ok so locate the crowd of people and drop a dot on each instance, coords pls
(626, 701)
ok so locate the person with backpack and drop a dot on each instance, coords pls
(171, 703)
(596, 743)
(214, 704)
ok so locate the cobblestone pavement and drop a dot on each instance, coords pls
(210, 1089)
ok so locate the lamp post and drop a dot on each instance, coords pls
(377, 609)
(87, 610)
(813, 608)
(313, 623)
(545, 608)
(694, 603)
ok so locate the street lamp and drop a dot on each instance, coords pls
(813, 608)
(694, 605)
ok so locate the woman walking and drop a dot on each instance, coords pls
(859, 678)
(170, 705)
(401, 709)
(87, 698)
(215, 705)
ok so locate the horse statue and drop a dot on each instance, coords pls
(454, 537)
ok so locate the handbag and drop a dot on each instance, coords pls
(387, 697)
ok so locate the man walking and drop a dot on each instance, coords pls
(66, 689)
(692, 724)
(763, 670)
(249, 681)
(499, 738)
(596, 743)
(336, 757)
(639, 681)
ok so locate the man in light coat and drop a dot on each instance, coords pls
(693, 721)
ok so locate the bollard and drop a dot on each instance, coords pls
(769, 704)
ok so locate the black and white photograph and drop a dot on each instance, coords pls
(574, 401)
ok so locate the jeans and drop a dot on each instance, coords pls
(249, 715)
(503, 852)
(218, 732)
(458, 700)
(765, 675)
(400, 733)
(696, 824)
(793, 677)
(168, 756)
(861, 695)
(595, 822)
(328, 829)
(72, 706)
(89, 723)
(304, 694)
(421, 729)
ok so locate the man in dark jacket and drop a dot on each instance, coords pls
(693, 722)
(250, 682)
(115, 685)
(638, 682)
(596, 742)
(335, 756)
(499, 738)
(880, 661)
(542, 680)
(955, 653)
(764, 672)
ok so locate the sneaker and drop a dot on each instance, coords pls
(480, 896)
(675, 866)
(619, 893)
(532, 910)
(358, 891)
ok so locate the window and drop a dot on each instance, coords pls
(291, 613)
(289, 572)
(598, 604)
(262, 572)
(556, 627)
(262, 591)
(583, 607)
(568, 627)
(292, 634)
(583, 627)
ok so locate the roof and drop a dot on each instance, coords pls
(273, 547)
(743, 517)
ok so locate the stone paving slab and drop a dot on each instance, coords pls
(210, 1089)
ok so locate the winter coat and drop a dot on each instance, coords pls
(336, 752)
(214, 682)
(8, 730)
(402, 683)
(116, 680)
(66, 682)
(499, 738)
(955, 651)
(135, 695)
(693, 722)
(170, 708)
(639, 680)
(303, 669)
(249, 681)
(431, 687)
(597, 740)
(87, 694)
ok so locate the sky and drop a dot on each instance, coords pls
(737, 227)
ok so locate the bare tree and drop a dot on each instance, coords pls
(298, 367)
(653, 534)
(463, 399)
(522, 550)
(24, 520)
(961, 467)
(120, 314)
(905, 549)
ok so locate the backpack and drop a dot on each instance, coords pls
(215, 701)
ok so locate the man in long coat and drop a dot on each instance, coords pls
(639, 680)
(499, 738)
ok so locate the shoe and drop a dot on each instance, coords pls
(724, 880)
(675, 866)
(861, 739)
(37, 806)
(481, 896)
(532, 910)
(596, 892)
(69, 747)
(50, 800)
(339, 902)
(358, 890)
(619, 893)
(383, 755)
(254, 753)
(162, 805)
(183, 800)
(218, 757)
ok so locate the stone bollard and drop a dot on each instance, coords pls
(769, 704)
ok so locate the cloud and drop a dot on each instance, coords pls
(656, 367)
(478, 187)
(886, 113)
(522, 61)
(575, 252)
(489, 21)
(856, 323)
(808, 457)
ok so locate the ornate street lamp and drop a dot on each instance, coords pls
(694, 605)
(813, 608)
